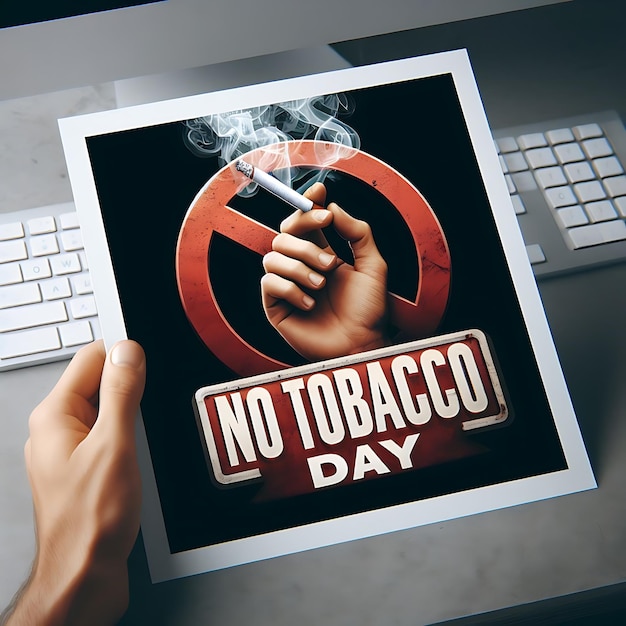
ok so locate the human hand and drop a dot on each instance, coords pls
(322, 306)
(82, 467)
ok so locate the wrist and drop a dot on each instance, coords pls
(89, 591)
(378, 339)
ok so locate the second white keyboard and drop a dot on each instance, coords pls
(567, 180)
(47, 308)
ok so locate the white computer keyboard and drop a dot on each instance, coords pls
(568, 186)
(47, 308)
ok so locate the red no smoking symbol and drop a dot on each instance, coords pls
(210, 214)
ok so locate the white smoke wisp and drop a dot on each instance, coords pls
(231, 135)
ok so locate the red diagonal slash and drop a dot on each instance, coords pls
(209, 214)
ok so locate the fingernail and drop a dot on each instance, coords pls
(127, 354)
(315, 279)
(319, 215)
(325, 258)
(308, 301)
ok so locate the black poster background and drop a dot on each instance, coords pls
(146, 179)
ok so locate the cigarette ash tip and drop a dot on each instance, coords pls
(245, 168)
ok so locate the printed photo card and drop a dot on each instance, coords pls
(343, 333)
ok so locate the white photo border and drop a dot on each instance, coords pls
(578, 476)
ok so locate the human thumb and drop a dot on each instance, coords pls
(121, 388)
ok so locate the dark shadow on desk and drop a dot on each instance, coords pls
(587, 314)
(153, 604)
(597, 607)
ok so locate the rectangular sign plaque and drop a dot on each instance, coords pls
(352, 418)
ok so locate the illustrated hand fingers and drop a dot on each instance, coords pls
(277, 291)
(367, 258)
(293, 270)
(305, 251)
(293, 266)
(309, 224)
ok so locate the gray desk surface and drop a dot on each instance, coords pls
(539, 64)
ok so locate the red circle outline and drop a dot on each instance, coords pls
(210, 213)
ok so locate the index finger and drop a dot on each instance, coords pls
(66, 414)
(309, 224)
(82, 376)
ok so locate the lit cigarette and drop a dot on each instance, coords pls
(273, 185)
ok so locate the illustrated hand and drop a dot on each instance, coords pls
(322, 306)
(82, 467)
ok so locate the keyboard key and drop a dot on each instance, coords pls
(510, 184)
(518, 205)
(595, 148)
(578, 172)
(72, 240)
(12, 251)
(18, 295)
(532, 140)
(595, 234)
(620, 205)
(36, 269)
(572, 216)
(14, 230)
(550, 177)
(524, 181)
(55, 288)
(83, 307)
(586, 131)
(76, 333)
(515, 162)
(560, 135)
(507, 144)
(32, 315)
(68, 220)
(82, 284)
(615, 186)
(540, 157)
(10, 273)
(44, 245)
(607, 166)
(65, 264)
(558, 197)
(29, 342)
(42, 225)
(588, 192)
(601, 211)
(535, 254)
(568, 153)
